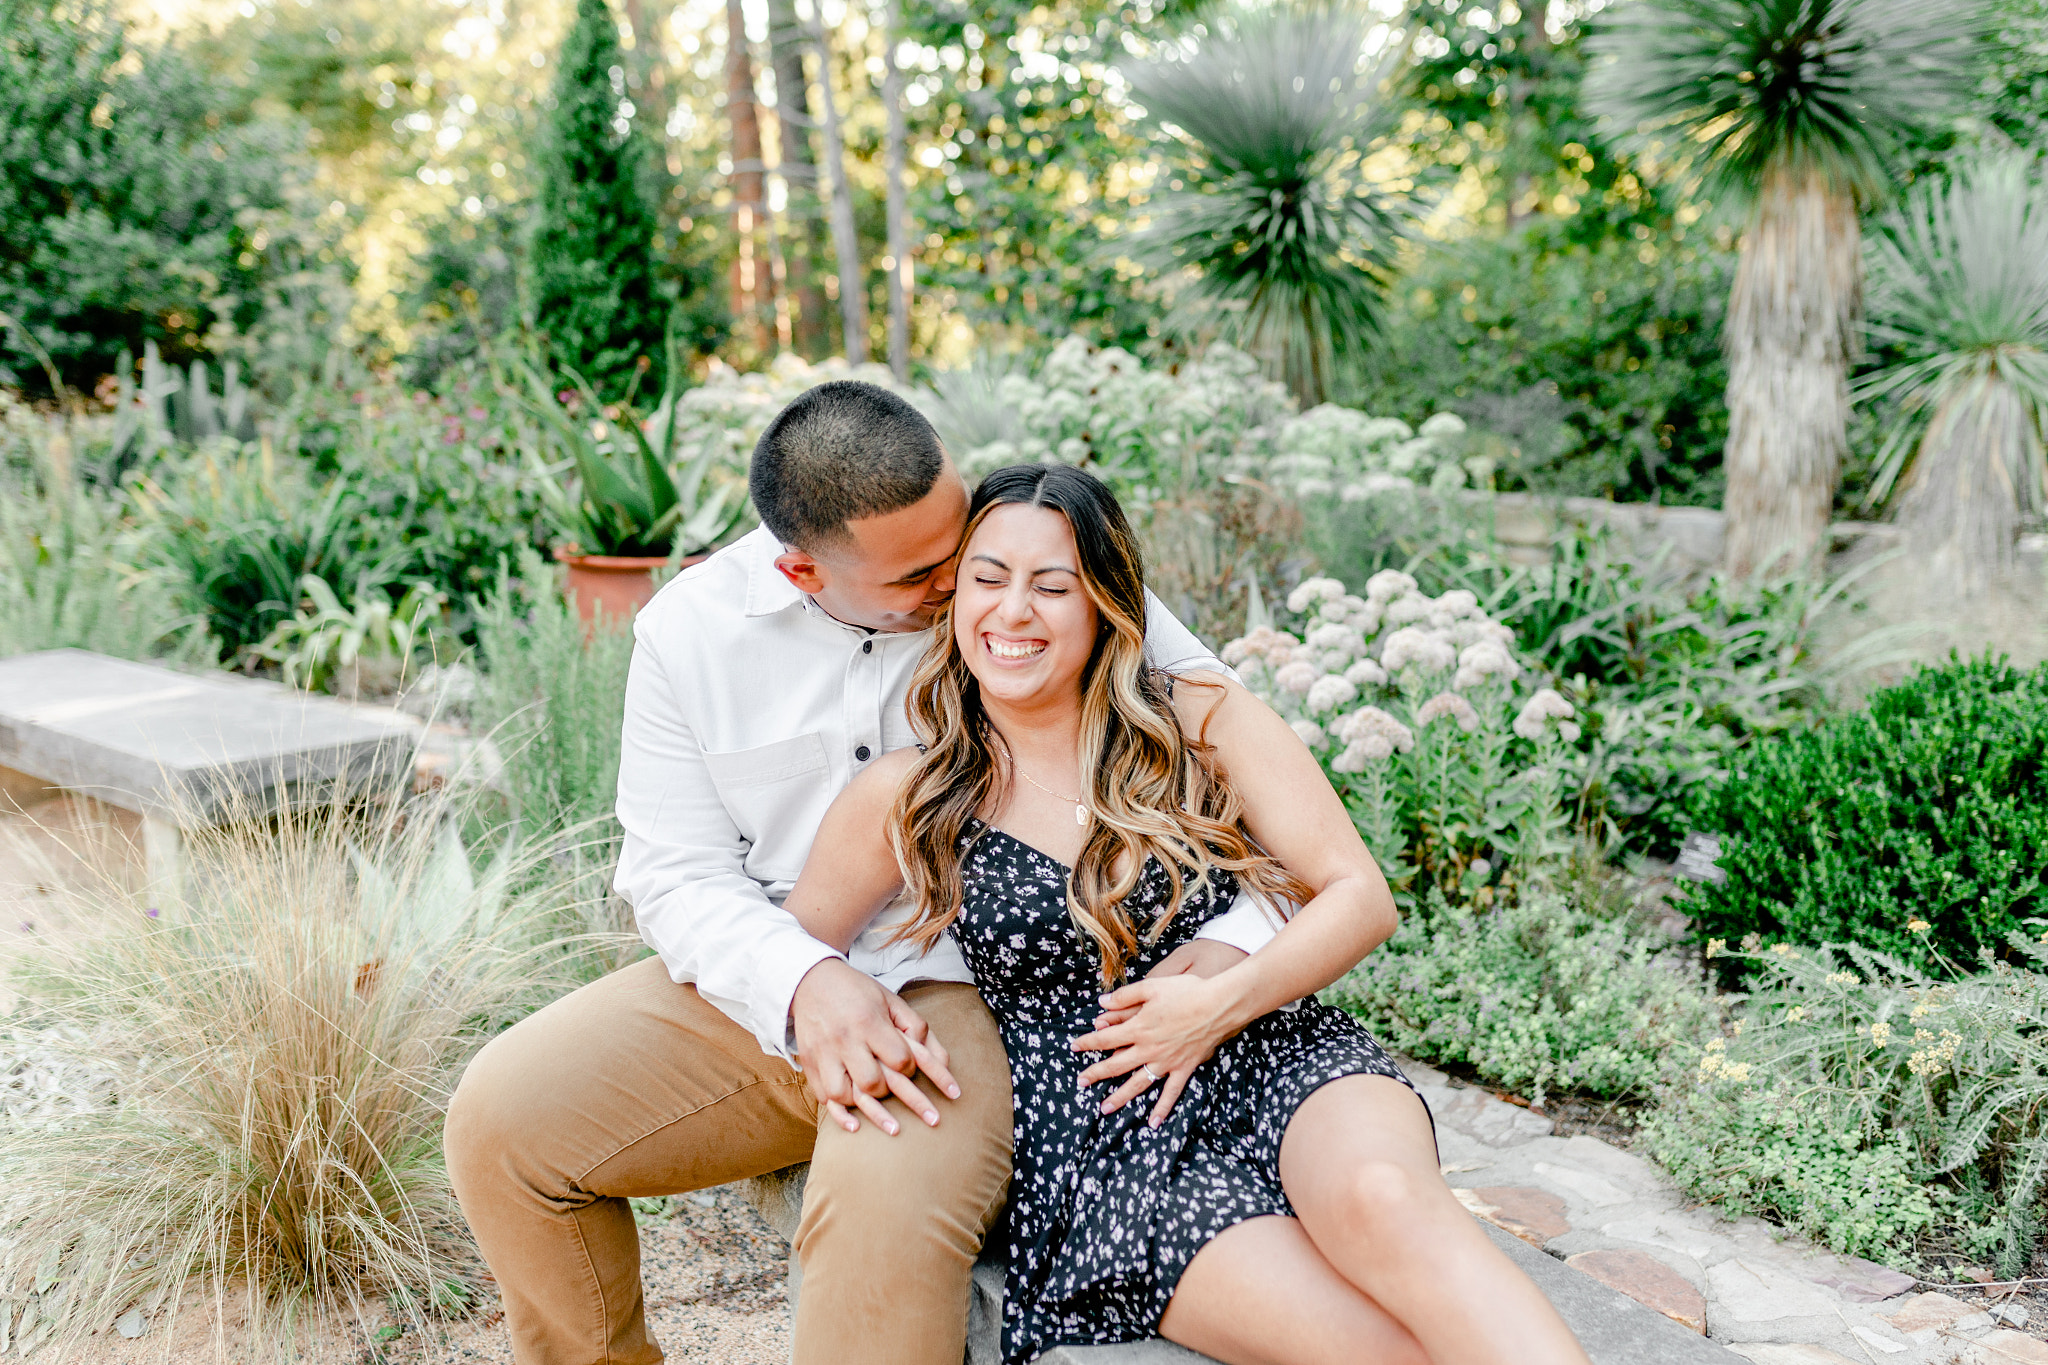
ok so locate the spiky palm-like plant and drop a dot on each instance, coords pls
(1793, 106)
(1959, 287)
(1287, 241)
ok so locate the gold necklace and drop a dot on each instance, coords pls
(1080, 810)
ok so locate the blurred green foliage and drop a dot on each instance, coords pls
(139, 200)
(1597, 367)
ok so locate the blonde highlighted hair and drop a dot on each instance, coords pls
(1154, 791)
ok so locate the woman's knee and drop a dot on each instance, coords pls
(1385, 1208)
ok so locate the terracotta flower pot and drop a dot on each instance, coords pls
(621, 584)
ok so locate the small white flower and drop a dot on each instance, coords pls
(1298, 677)
(1487, 659)
(1414, 607)
(1459, 602)
(1365, 673)
(1369, 722)
(1330, 692)
(1449, 704)
(1443, 424)
(1388, 584)
(1312, 591)
(1423, 648)
(1236, 652)
(1334, 636)
(1547, 704)
(1310, 732)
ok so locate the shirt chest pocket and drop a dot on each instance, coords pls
(776, 794)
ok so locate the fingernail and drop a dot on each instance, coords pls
(1103, 1000)
(953, 1092)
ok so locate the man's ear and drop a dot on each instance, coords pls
(803, 571)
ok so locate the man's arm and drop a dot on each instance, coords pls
(683, 871)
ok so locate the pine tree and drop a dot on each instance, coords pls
(595, 297)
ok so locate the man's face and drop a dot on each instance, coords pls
(892, 572)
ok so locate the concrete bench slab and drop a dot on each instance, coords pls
(1614, 1328)
(180, 749)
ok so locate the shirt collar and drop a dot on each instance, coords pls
(767, 590)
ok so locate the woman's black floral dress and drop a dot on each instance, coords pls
(1105, 1212)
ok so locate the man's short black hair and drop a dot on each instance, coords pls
(840, 452)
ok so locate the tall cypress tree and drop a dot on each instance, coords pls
(593, 286)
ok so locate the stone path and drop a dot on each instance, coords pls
(1768, 1297)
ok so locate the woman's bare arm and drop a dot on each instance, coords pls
(851, 874)
(1292, 811)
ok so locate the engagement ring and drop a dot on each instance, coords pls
(1155, 1075)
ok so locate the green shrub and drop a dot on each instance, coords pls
(1929, 807)
(1598, 369)
(1873, 1106)
(553, 699)
(1538, 994)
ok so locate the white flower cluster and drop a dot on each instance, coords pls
(1546, 705)
(1355, 653)
(1332, 450)
(1104, 407)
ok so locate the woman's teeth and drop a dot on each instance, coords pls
(1003, 649)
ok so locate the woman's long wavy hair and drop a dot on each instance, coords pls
(1153, 791)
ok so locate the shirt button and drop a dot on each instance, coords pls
(867, 646)
(861, 753)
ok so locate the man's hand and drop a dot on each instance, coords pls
(860, 1042)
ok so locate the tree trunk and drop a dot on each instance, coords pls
(752, 289)
(1965, 493)
(1791, 328)
(805, 214)
(853, 301)
(1534, 41)
(894, 152)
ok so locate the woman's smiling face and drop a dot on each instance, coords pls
(1022, 618)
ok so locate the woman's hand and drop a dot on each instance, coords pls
(1165, 1027)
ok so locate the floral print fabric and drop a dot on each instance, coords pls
(1105, 1213)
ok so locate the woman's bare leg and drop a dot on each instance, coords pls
(1360, 1168)
(1261, 1294)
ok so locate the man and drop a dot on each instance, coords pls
(762, 681)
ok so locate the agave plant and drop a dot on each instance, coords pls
(1288, 242)
(636, 493)
(1960, 291)
(1794, 106)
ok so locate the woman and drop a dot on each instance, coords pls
(1072, 818)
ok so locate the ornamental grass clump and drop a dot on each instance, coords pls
(273, 1052)
(1883, 1110)
(1411, 702)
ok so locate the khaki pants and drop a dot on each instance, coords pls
(634, 1086)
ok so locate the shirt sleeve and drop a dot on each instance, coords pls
(1248, 925)
(683, 870)
(1173, 647)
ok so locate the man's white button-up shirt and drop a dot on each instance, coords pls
(748, 709)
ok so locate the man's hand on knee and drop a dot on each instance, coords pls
(860, 1042)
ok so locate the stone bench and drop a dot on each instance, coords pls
(1614, 1329)
(180, 750)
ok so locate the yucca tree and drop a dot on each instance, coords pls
(1959, 291)
(1286, 241)
(1792, 107)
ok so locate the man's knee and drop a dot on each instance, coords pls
(926, 1187)
(485, 1115)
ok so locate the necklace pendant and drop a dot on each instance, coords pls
(1080, 815)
